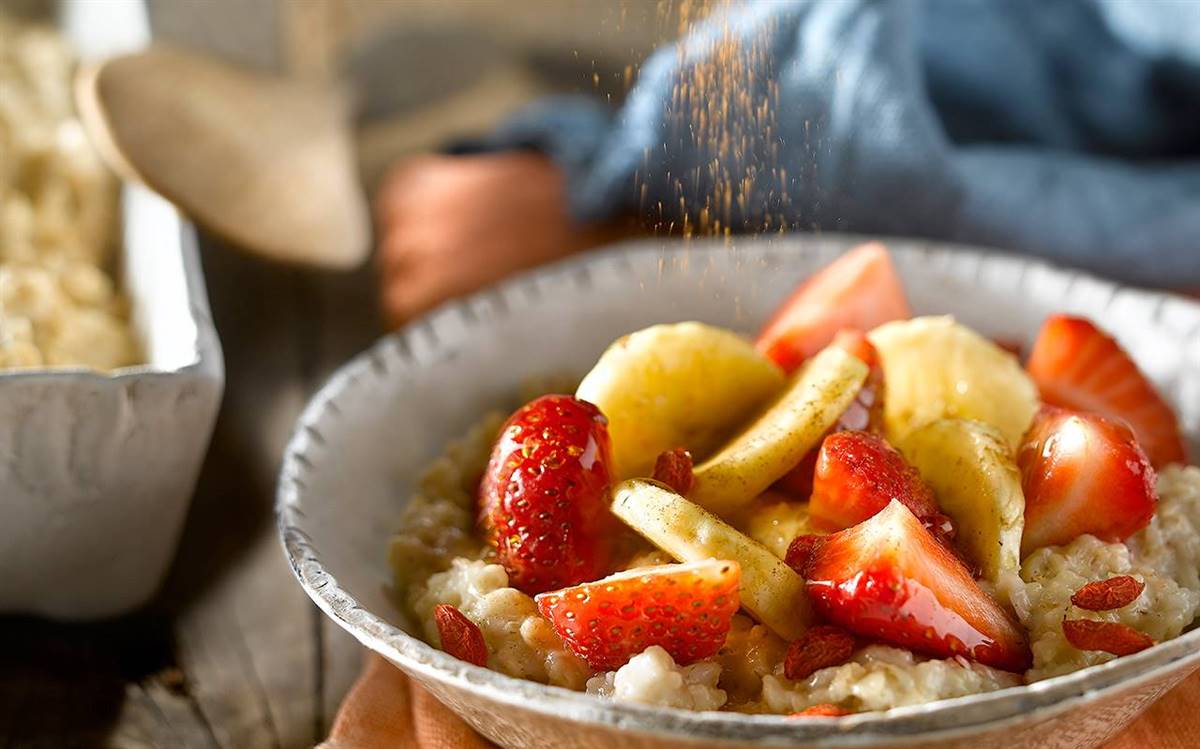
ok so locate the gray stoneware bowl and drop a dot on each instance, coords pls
(365, 437)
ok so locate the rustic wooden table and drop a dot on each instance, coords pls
(232, 653)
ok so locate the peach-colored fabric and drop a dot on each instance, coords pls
(385, 710)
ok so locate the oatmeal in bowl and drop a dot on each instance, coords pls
(860, 509)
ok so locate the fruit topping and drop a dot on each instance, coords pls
(684, 608)
(824, 710)
(935, 368)
(674, 468)
(858, 290)
(820, 647)
(1076, 365)
(770, 590)
(976, 481)
(1109, 637)
(683, 385)
(1106, 595)
(1083, 473)
(800, 552)
(545, 494)
(888, 578)
(460, 636)
(774, 443)
(865, 413)
(857, 475)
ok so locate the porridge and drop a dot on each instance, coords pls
(872, 520)
(58, 218)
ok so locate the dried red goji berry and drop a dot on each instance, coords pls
(824, 710)
(801, 550)
(460, 636)
(818, 648)
(1109, 637)
(1105, 595)
(674, 468)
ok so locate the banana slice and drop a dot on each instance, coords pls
(934, 368)
(775, 442)
(770, 590)
(682, 385)
(774, 520)
(971, 470)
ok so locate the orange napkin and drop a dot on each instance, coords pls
(385, 710)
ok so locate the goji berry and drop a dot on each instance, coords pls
(674, 468)
(818, 648)
(824, 710)
(1105, 595)
(801, 550)
(1109, 637)
(460, 636)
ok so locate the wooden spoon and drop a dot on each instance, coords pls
(267, 163)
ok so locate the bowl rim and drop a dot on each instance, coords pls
(941, 719)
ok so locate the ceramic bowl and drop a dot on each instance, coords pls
(366, 436)
(97, 469)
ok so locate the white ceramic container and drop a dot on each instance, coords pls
(366, 436)
(97, 469)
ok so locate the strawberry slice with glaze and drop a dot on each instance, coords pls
(544, 496)
(858, 290)
(684, 608)
(857, 475)
(1082, 473)
(888, 578)
(1076, 365)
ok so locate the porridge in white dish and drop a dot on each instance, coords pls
(58, 217)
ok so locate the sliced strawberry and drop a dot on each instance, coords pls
(858, 290)
(864, 414)
(544, 496)
(684, 608)
(1082, 473)
(857, 475)
(1076, 365)
(888, 578)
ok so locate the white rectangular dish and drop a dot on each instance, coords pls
(97, 469)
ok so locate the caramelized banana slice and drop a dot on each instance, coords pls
(935, 368)
(774, 443)
(683, 385)
(971, 470)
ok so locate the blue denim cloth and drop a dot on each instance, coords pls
(1065, 129)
